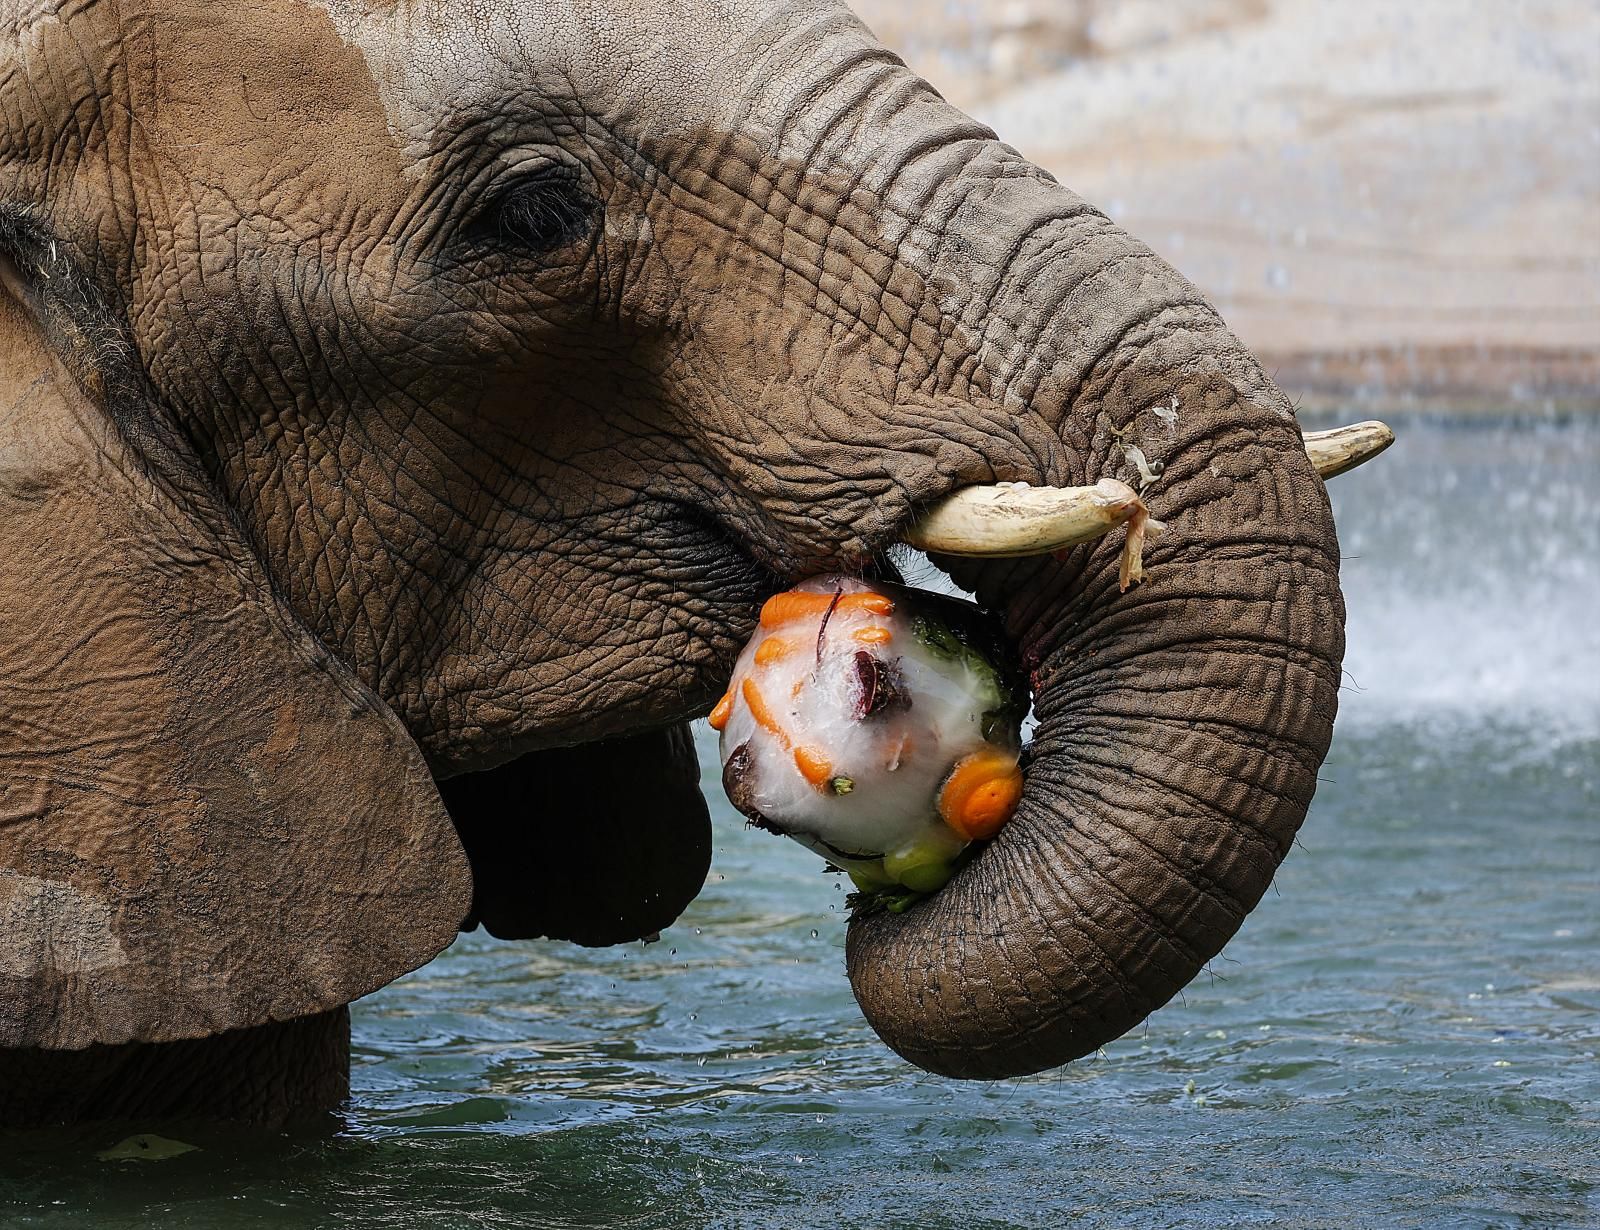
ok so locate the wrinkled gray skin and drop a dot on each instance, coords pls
(401, 392)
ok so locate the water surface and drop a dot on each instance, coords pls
(1403, 1034)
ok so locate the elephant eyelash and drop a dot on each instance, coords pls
(536, 216)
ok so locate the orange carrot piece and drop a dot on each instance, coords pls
(723, 711)
(873, 635)
(775, 649)
(789, 608)
(795, 606)
(873, 604)
(764, 717)
(813, 766)
(981, 793)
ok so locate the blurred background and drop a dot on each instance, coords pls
(1394, 203)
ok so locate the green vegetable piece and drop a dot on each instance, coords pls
(919, 868)
(995, 696)
(937, 637)
(869, 877)
(842, 785)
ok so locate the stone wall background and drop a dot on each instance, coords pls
(1390, 200)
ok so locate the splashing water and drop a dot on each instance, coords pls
(1472, 578)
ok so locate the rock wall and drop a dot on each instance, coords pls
(1391, 202)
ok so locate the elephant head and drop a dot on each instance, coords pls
(408, 405)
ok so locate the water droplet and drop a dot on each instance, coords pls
(813, 933)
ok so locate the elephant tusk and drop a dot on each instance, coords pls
(1345, 448)
(1013, 521)
(1009, 522)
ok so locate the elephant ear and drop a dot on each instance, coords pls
(205, 822)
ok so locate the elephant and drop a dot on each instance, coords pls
(405, 409)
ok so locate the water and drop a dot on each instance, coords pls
(1404, 1034)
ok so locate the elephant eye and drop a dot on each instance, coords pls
(537, 215)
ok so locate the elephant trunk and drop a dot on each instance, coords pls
(1028, 338)
(1180, 725)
